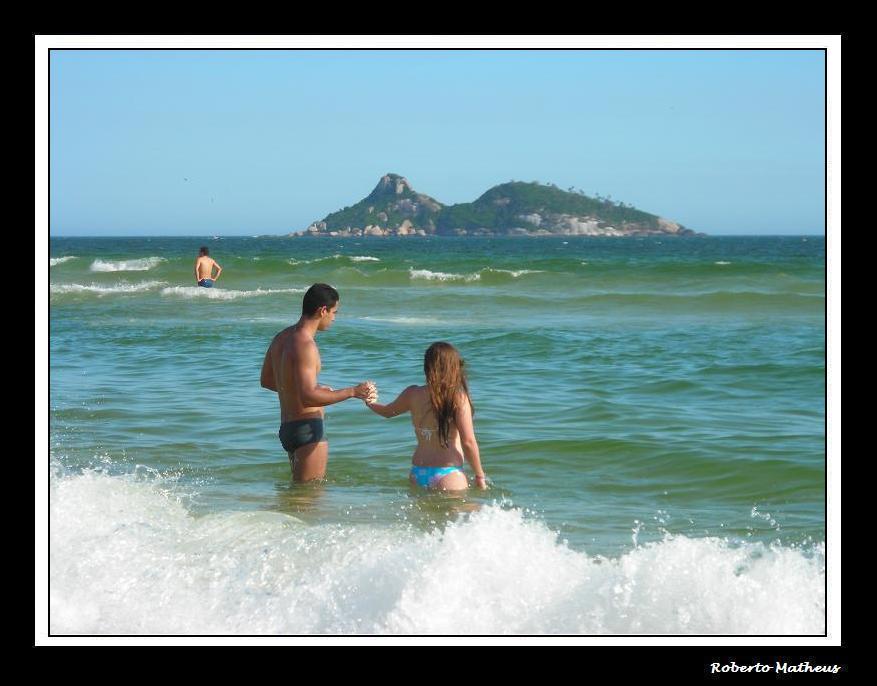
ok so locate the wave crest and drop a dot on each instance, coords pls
(60, 260)
(140, 265)
(224, 293)
(127, 557)
(351, 258)
(442, 276)
(104, 289)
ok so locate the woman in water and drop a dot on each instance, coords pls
(441, 412)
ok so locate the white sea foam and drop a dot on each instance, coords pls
(103, 289)
(722, 263)
(224, 293)
(126, 557)
(476, 276)
(442, 276)
(352, 258)
(141, 265)
(60, 260)
(515, 273)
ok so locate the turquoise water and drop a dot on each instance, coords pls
(651, 412)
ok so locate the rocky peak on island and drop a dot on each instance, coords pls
(391, 185)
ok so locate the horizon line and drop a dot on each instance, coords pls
(305, 233)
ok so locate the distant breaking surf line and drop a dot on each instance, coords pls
(140, 265)
(224, 294)
(60, 260)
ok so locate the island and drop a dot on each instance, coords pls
(515, 208)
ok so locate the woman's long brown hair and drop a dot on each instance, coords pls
(445, 378)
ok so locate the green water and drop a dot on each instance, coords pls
(624, 388)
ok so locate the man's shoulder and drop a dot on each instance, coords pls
(294, 340)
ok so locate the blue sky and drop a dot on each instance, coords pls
(265, 142)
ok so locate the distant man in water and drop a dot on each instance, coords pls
(291, 367)
(204, 265)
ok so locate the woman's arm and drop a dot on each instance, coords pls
(463, 420)
(397, 407)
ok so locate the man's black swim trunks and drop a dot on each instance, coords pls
(293, 435)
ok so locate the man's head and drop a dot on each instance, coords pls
(321, 301)
(202, 251)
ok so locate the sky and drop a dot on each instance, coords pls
(248, 142)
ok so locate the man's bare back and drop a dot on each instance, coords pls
(291, 347)
(204, 268)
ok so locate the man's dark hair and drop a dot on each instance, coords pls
(203, 250)
(318, 295)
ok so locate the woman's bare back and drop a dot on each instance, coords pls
(429, 451)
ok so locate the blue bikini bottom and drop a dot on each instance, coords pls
(427, 477)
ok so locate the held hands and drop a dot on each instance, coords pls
(372, 393)
(366, 391)
(481, 482)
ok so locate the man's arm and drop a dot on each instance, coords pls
(312, 393)
(218, 270)
(268, 372)
(196, 271)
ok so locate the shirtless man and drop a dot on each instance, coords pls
(291, 366)
(204, 269)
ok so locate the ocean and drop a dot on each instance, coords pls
(650, 412)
